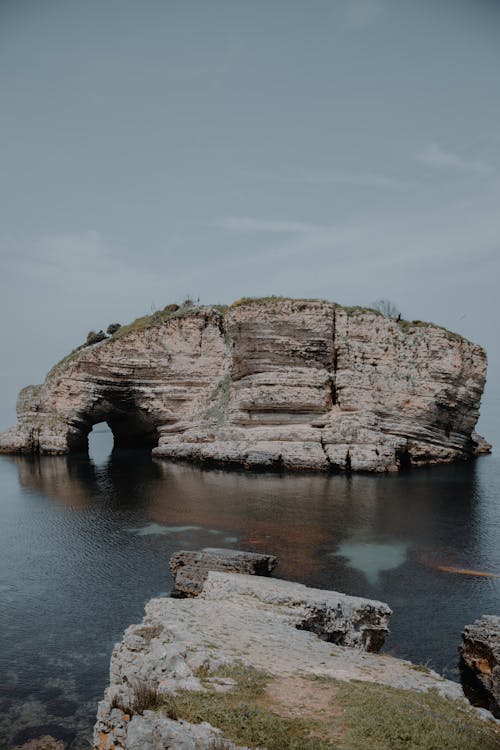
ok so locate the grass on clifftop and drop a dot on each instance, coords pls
(304, 713)
(174, 311)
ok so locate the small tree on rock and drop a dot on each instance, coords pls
(113, 328)
(387, 308)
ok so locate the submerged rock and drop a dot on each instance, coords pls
(276, 383)
(480, 663)
(190, 569)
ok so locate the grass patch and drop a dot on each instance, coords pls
(359, 310)
(244, 301)
(359, 715)
(241, 714)
(170, 312)
(408, 326)
(146, 697)
(173, 312)
(385, 718)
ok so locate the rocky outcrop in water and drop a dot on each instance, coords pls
(295, 384)
(480, 663)
(190, 569)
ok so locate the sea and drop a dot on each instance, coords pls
(85, 541)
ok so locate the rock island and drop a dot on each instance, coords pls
(270, 383)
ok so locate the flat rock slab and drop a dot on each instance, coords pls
(480, 663)
(334, 617)
(190, 569)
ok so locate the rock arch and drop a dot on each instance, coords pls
(131, 425)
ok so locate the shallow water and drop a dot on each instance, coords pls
(84, 543)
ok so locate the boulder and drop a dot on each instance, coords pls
(190, 569)
(480, 663)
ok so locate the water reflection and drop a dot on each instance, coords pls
(318, 525)
(371, 558)
(85, 542)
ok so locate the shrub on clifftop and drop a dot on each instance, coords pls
(94, 338)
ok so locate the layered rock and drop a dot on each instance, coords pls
(190, 569)
(267, 383)
(480, 663)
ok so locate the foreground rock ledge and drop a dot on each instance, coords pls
(239, 618)
(276, 383)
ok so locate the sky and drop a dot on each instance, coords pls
(153, 150)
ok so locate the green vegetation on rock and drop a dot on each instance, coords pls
(387, 718)
(175, 312)
(356, 715)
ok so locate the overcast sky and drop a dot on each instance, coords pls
(342, 149)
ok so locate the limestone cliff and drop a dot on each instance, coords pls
(298, 384)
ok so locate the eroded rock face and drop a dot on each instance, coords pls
(190, 569)
(276, 383)
(480, 663)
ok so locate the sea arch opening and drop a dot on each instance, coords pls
(100, 442)
(132, 427)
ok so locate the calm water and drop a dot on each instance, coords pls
(84, 543)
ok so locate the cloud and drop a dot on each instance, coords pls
(246, 224)
(314, 177)
(439, 158)
(358, 180)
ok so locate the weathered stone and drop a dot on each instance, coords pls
(264, 622)
(480, 663)
(334, 617)
(293, 384)
(153, 732)
(190, 569)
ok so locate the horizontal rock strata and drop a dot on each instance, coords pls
(480, 663)
(270, 624)
(305, 385)
(190, 569)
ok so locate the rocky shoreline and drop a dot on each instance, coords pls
(268, 383)
(307, 650)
